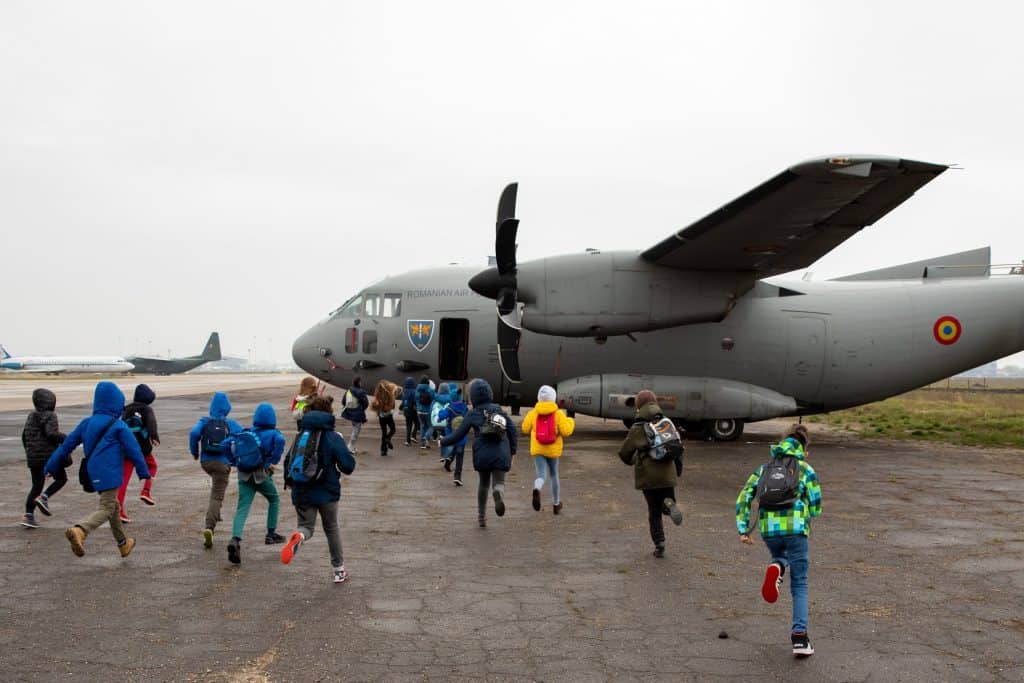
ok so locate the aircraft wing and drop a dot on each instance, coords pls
(792, 220)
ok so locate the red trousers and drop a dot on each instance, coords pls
(128, 471)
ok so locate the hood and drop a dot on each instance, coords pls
(108, 399)
(480, 392)
(648, 412)
(220, 406)
(409, 383)
(317, 419)
(443, 397)
(264, 416)
(788, 447)
(143, 394)
(44, 399)
(443, 388)
(545, 407)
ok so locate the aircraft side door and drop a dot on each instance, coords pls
(805, 358)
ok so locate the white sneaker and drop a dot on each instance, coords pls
(340, 574)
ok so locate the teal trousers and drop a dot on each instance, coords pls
(247, 490)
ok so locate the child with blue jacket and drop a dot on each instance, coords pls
(106, 441)
(321, 495)
(408, 408)
(424, 400)
(258, 479)
(206, 444)
(494, 445)
(437, 424)
(453, 414)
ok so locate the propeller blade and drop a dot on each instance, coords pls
(507, 202)
(505, 246)
(508, 351)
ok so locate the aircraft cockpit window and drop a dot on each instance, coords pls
(371, 305)
(392, 305)
(354, 308)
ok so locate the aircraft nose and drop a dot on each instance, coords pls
(486, 283)
(309, 352)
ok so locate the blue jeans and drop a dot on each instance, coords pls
(544, 466)
(457, 455)
(426, 429)
(791, 552)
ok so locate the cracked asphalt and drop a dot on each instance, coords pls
(917, 572)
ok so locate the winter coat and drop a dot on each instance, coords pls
(450, 412)
(649, 473)
(337, 460)
(792, 521)
(488, 456)
(220, 408)
(41, 434)
(358, 414)
(272, 443)
(564, 426)
(148, 417)
(105, 459)
(408, 404)
(441, 401)
(420, 390)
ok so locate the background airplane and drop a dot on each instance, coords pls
(58, 364)
(171, 366)
(692, 317)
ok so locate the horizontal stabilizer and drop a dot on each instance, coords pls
(973, 263)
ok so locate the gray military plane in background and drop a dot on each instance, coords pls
(174, 366)
(692, 317)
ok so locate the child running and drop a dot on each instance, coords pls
(547, 426)
(356, 402)
(438, 425)
(40, 437)
(254, 457)
(384, 405)
(453, 415)
(321, 493)
(307, 390)
(206, 444)
(424, 400)
(106, 440)
(141, 420)
(494, 446)
(784, 520)
(408, 408)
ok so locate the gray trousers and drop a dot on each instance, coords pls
(354, 435)
(488, 480)
(108, 511)
(220, 475)
(329, 521)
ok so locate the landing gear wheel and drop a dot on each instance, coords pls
(725, 429)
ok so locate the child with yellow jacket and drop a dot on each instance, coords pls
(547, 426)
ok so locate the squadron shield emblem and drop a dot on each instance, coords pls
(420, 333)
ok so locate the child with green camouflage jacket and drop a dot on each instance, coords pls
(784, 526)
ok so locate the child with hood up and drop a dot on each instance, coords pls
(408, 408)
(547, 426)
(321, 496)
(494, 445)
(258, 480)
(453, 415)
(141, 420)
(355, 404)
(438, 426)
(40, 437)
(424, 400)
(206, 444)
(107, 441)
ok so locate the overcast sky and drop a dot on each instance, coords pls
(171, 168)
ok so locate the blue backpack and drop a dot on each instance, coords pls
(246, 451)
(213, 435)
(302, 464)
(135, 424)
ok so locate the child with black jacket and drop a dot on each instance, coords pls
(40, 437)
(141, 420)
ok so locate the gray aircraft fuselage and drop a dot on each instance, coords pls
(795, 347)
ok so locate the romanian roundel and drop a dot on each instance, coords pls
(947, 330)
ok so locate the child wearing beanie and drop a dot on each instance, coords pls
(547, 427)
(141, 420)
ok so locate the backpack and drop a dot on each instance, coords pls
(546, 431)
(351, 400)
(779, 483)
(456, 423)
(247, 451)
(211, 440)
(663, 440)
(495, 426)
(133, 419)
(302, 464)
(435, 416)
(423, 398)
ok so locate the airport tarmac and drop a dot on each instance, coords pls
(917, 572)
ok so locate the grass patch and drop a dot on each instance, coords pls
(968, 418)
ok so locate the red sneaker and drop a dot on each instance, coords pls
(772, 582)
(146, 498)
(292, 546)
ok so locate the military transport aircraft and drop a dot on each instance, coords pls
(173, 366)
(692, 317)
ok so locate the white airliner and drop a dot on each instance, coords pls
(58, 364)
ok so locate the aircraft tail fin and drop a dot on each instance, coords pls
(212, 349)
(4, 353)
(973, 263)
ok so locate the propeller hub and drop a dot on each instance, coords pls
(487, 283)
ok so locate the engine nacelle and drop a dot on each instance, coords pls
(602, 295)
(686, 398)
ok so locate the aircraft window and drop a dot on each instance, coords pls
(371, 305)
(369, 342)
(392, 305)
(351, 340)
(354, 308)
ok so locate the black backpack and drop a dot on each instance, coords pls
(304, 464)
(779, 483)
(133, 419)
(495, 426)
(423, 398)
(213, 435)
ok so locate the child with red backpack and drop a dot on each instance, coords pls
(547, 426)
